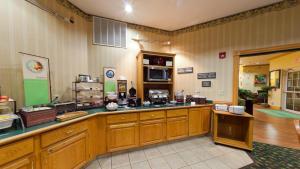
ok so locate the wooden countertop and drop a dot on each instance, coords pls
(15, 135)
(232, 114)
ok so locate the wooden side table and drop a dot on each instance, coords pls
(233, 130)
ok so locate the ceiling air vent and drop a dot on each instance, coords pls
(109, 32)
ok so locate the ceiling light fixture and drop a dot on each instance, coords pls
(128, 8)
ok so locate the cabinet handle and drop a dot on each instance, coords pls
(69, 132)
(50, 150)
(152, 115)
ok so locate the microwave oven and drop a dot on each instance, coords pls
(157, 74)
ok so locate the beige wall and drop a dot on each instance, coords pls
(247, 76)
(200, 48)
(283, 63)
(26, 28)
(124, 60)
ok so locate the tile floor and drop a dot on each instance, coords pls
(194, 153)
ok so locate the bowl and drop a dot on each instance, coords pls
(147, 103)
(112, 106)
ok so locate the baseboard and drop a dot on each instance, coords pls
(275, 107)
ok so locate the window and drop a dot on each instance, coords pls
(293, 91)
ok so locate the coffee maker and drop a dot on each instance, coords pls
(122, 92)
(157, 96)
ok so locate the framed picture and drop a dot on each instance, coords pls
(206, 83)
(275, 78)
(260, 79)
(185, 70)
(36, 79)
(210, 75)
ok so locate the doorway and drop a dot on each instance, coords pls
(267, 128)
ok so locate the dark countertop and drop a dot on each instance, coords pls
(12, 135)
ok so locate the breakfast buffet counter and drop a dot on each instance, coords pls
(100, 132)
(14, 135)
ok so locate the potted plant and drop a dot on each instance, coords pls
(265, 94)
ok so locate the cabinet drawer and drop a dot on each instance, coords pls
(177, 113)
(122, 118)
(152, 115)
(54, 136)
(15, 150)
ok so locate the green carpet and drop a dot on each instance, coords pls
(268, 156)
(279, 113)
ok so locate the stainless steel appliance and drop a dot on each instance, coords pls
(156, 73)
(158, 96)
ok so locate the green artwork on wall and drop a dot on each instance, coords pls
(36, 91)
(36, 80)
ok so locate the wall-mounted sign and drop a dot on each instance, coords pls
(185, 70)
(110, 81)
(222, 55)
(206, 83)
(210, 75)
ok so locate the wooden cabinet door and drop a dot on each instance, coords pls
(199, 121)
(177, 127)
(122, 136)
(152, 132)
(205, 120)
(195, 126)
(23, 163)
(68, 154)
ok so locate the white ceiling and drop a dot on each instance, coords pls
(168, 14)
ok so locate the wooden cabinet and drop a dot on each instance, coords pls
(97, 136)
(22, 163)
(177, 124)
(122, 131)
(16, 150)
(152, 127)
(199, 121)
(68, 154)
(233, 130)
(122, 136)
(177, 127)
(205, 120)
(73, 144)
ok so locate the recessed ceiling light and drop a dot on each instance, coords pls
(128, 8)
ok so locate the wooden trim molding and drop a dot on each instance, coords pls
(240, 16)
(236, 63)
(235, 85)
(243, 15)
(74, 9)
